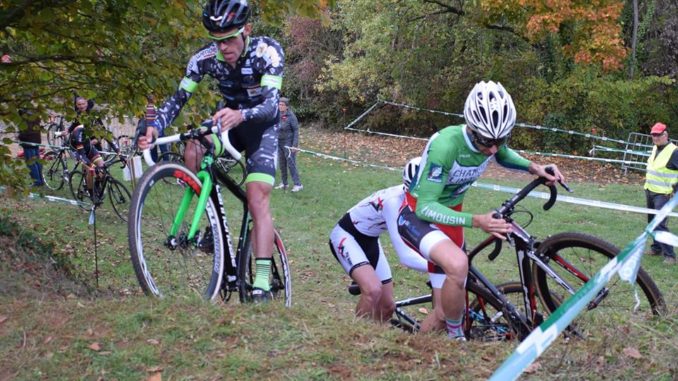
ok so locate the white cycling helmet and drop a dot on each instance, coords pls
(410, 170)
(489, 110)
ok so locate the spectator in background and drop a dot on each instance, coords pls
(30, 140)
(661, 181)
(150, 118)
(288, 143)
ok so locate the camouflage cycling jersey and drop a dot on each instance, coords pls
(252, 86)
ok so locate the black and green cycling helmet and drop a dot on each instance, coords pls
(221, 15)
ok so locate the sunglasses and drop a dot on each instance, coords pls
(228, 37)
(657, 135)
(487, 142)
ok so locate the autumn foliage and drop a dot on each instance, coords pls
(590, 27)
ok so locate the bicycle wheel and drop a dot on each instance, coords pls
(120, 198)
(52, 139)
(279, 278)
(78, 185)
(485, 319)
(53, 170)
(166, 262)
(234, 169)
(577, 257)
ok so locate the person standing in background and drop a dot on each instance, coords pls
(288, 143)
(30, 140)
(150, 117)
(661, 181)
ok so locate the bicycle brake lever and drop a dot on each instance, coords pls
(497, 249)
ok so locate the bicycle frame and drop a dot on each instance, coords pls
(211, 188)
(525, 247)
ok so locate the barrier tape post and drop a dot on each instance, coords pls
(93, 221)
(626, 264)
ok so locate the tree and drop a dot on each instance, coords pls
(115, 51)
(590, 27)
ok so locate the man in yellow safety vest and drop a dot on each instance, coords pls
(661, 181)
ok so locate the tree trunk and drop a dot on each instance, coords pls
(634, 40)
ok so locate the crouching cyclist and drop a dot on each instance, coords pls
(432, 220)
(354, 242)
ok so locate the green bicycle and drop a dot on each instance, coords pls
(179, 236)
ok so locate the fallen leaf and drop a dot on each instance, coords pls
(154, 369)
(423, 310)
(3, 319)
(95, 347)
(47, 340)
(153, 341)
(533, 368)
(155, 377)
(632, 352)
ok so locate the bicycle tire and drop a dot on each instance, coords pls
(592, 254)
(53, 170)
(78, 185)
(120, 198)
(53, 140)
(187, 268)
(486, 320)
(279, 278)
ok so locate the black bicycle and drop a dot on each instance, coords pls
(55, 170)
(179, 236)
(102, 183)
(483, 317)
(551, 270)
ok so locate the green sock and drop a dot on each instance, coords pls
(263, 267)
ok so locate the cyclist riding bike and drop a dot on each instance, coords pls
(355, 244)
(86, 152)
(249, 72)
(432, 220)
(95, 130)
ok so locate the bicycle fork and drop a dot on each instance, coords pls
(205, 191)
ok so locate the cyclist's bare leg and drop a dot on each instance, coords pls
(258, 203)
(376, 299)
(193, 154)
(454, 262)
(435, 321)
(89, 178)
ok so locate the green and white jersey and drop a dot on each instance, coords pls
(449, 165)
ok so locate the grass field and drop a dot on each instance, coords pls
(54, 328)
